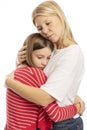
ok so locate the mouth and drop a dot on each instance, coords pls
(41, 68)
(49, 36)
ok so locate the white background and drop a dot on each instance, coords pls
(16, 24)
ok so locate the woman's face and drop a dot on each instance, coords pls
(41, 57)
(49, 27)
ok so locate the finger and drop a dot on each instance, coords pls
(23, 48)
(82, 107)
(20, 53)
(22, 56)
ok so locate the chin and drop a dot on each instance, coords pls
(54, 40)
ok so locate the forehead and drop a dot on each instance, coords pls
(43, 51)
(39, 20)
(42, 19)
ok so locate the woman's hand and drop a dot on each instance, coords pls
(9, 76)
(80, 104)
(21, 57)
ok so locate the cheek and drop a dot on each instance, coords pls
(58, 32)
(33, 60)
(58, 28)
(36, 62)
(43, 35)
(47, 62)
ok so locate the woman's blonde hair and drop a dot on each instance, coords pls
(49, 8)
(35, 42)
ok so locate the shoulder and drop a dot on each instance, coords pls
(72, 51)
(70, 54)
(75, 52)
(30, 75)
(30, 71)
(74, 48)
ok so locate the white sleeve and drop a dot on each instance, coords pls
(68, 70)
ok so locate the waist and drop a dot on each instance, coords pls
(70, 123)
(71, 120)
(76, 116)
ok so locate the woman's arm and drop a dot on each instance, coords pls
(32, 94)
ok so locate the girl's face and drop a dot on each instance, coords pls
(49, 27)
(41, 57)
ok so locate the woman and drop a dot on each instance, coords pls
(65, 68)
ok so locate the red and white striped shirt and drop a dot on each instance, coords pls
(25, 115)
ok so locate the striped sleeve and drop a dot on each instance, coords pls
(57, 113)
(30, 76)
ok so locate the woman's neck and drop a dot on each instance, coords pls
(65, 44)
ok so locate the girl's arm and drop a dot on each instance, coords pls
(57, 113)
(39, 96)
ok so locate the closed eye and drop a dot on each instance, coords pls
(39, 57)
(39, 29)
(48, 23)
(49, 57)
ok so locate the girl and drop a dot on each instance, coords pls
(25, 115)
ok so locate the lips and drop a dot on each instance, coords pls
(49, 36)
(41, 68)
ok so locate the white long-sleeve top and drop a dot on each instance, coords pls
(64, 71)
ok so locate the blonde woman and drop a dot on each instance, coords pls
(65, 68)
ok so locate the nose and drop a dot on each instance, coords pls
(44, 62)
(45, 30)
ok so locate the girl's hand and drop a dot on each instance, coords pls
(21, 57)
(80, 104)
